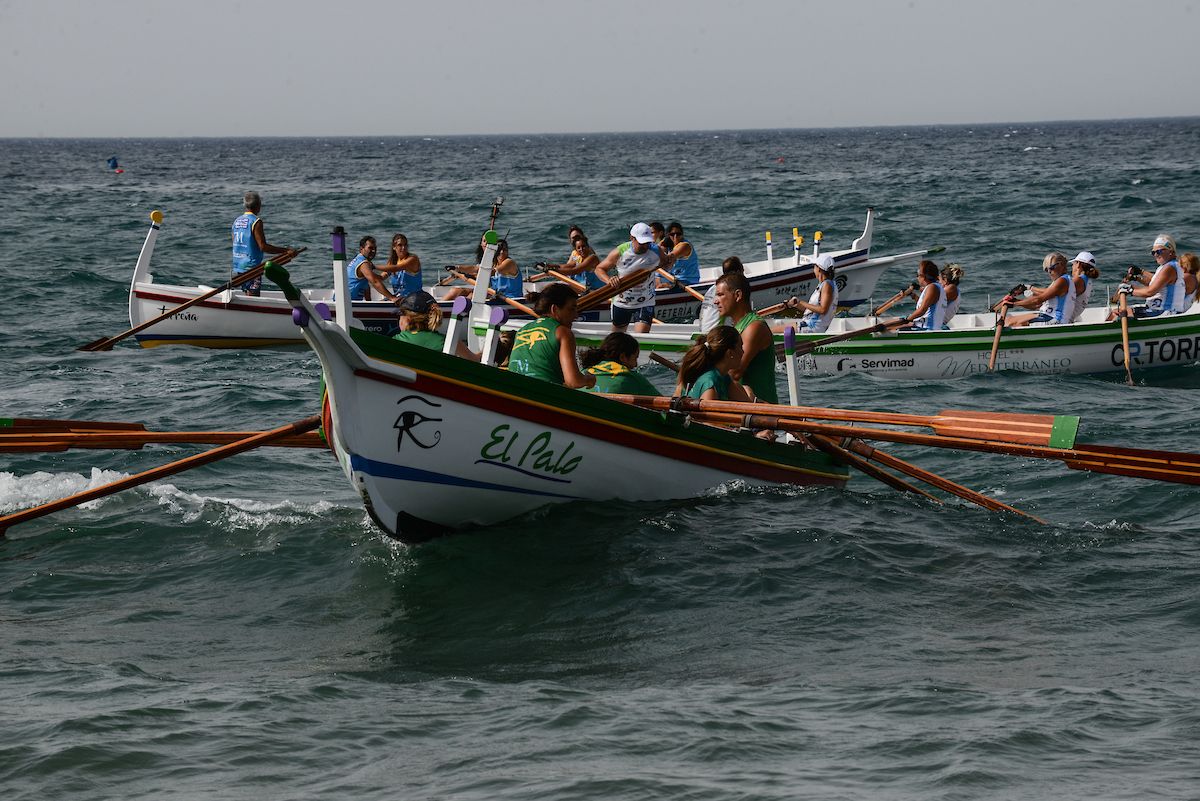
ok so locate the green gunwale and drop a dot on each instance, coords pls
(594, 406)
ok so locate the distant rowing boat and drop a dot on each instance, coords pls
(1091, 345)
(232, 319)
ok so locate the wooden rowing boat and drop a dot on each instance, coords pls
(231, 319)
(1091, 345)
(435, 443)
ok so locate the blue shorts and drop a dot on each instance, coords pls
(623, 317)
(1141, 312)
(1042, 318)
(252, 287)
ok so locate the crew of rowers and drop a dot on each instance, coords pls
(734, 359)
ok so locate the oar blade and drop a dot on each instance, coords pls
(97, 344)
(1055, 431)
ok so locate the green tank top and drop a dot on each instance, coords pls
(617, 379)
(760, 373)
(425, 339)
(535, 352)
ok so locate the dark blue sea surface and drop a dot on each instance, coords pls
(241, 630)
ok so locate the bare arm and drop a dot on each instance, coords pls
(573, 377)
(261, 239)
(1057, 287)
(1156, 285)
(367, 270)
(609, 262)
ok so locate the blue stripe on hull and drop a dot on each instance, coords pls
(371, 467)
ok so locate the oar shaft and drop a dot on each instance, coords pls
(675, 280)
(30, 425)
(566, 279)
(1124, 315)
(996, 339)
(216, 454)
(521, 307)
(136, 439)
(854, 460)
(892, 301)
(934, 480)
(808, 347)
(596, 297)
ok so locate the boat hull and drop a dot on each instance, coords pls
(1092, 346)
(434, 443)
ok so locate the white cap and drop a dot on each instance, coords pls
(642, 233)
(825, 262)
(1085, 257)
(1163, 241)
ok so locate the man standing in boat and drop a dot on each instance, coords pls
(636, 303)
(250, 243)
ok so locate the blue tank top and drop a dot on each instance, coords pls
(246, 252)
(506, 286)
(360, 288)
(406, 283)
(687, 270)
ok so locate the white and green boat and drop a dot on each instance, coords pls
(434, 443)
(1091, 345)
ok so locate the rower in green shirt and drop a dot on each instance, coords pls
(614, 364)
(420, 319)
(545, 348)
(757, 368)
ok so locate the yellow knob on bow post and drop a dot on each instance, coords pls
(156, 216)
(817, 236)
(799, 241)
(768, 237)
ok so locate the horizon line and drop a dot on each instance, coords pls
(663, 131)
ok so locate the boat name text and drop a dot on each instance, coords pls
(541, 454)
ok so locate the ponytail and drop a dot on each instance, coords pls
(706, 352)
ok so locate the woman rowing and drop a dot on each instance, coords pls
(822, 304)
(1055, 302)
(1190, 264)
(419, 321)
(1083, 273)
(581, 262)
(545, 348)
(1165, 291)
(614, 364)
(949, 277)
(707, 367)
(757, 366)
(506, 275)
(404, 267)
(930, 313)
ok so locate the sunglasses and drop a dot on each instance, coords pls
(1159, 252)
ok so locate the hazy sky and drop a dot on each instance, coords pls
(399, 67)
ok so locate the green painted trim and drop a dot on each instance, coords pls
(590, 404)
(6, 422)
(491, 237)
(283, 279)
(1064, 430)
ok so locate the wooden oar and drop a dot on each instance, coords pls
(934, 480)
(808, 347)
(675, 280)
(1179, 468)
(894, 299)
(31, 425)
(106, 343)
(216, 454)
(664, 361)
(599, 296)
(26, 440)
(1057, 431)
(1123, 313)
(767, 311)
(854, 460)
(521, 307)
(1004, 307)
(566, 279)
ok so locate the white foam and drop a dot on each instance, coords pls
(22, 492)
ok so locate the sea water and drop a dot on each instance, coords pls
(242, 630)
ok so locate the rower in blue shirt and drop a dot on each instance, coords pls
(250, 243)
